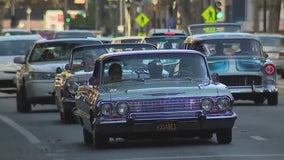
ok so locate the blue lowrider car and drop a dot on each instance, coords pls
(159, 93)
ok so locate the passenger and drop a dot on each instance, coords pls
(114, 73)
(155, 69)
(88, 61)
(47, 55)
(168, 45)
(219, 49)
(245, 48)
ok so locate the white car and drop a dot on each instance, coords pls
(35, 79)
(10, 47)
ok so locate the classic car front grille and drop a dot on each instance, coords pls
(7, 84)
(240, 80)
(179, 108)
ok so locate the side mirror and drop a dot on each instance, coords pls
(265, 55)
(215, 77)
(59, 70)
(19, 60)
(67, 66)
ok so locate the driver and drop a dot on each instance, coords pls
(114, 73)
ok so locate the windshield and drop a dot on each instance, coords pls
(55, 51)
(83, 58)
(15, 47)
(150, 67)
(7, 48)
(232, 47)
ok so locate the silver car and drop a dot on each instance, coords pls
(273, 45)
(10, 47)
(36, 76)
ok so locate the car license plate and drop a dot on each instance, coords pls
(166, 126)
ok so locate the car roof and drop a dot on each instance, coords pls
(149, 52)
(69, 33)
(269, 35)
(74, 31)
(16, 30)
(21, 37)
(221, 35)
(67, 39)
(214, 27)
(166, 31)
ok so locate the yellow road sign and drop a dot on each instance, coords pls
(142, 19)
(209, 15)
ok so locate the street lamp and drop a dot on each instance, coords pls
(155, 2)
(29, 11)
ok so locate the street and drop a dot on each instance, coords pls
(258, 135)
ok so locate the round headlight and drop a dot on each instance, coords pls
(223, 104)
(106, 109)
(122, 108)
(207, 104)
(72, 87)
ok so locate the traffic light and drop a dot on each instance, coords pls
(67, 18)
(220, 8)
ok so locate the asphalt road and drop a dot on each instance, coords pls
(258, 135)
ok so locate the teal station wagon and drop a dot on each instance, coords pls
(242, 65)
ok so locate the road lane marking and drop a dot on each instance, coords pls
(204, 156)
(258, 138)
(27, 134)
(280, 86)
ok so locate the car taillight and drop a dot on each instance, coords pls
(169, 33)
(281, 54)
(269, 69)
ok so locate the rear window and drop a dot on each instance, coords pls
(74, 34)
(15, 47)
(272, 41)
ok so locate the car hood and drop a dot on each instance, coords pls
(158, 89)
(7, 64)
(50, 67)
(229, 65)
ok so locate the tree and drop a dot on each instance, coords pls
(274, 15)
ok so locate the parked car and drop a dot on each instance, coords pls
(74, 33)
(10, 47)
(35, 78)
(150, 94)
(166, 42)
(242, 65)
(273, 46)
(78, 71)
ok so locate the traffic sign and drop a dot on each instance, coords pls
(209, 15)
(142, 19)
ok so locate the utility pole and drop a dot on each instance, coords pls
(66, 25)
(264, 15)
(97, 15)
(13, 14)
